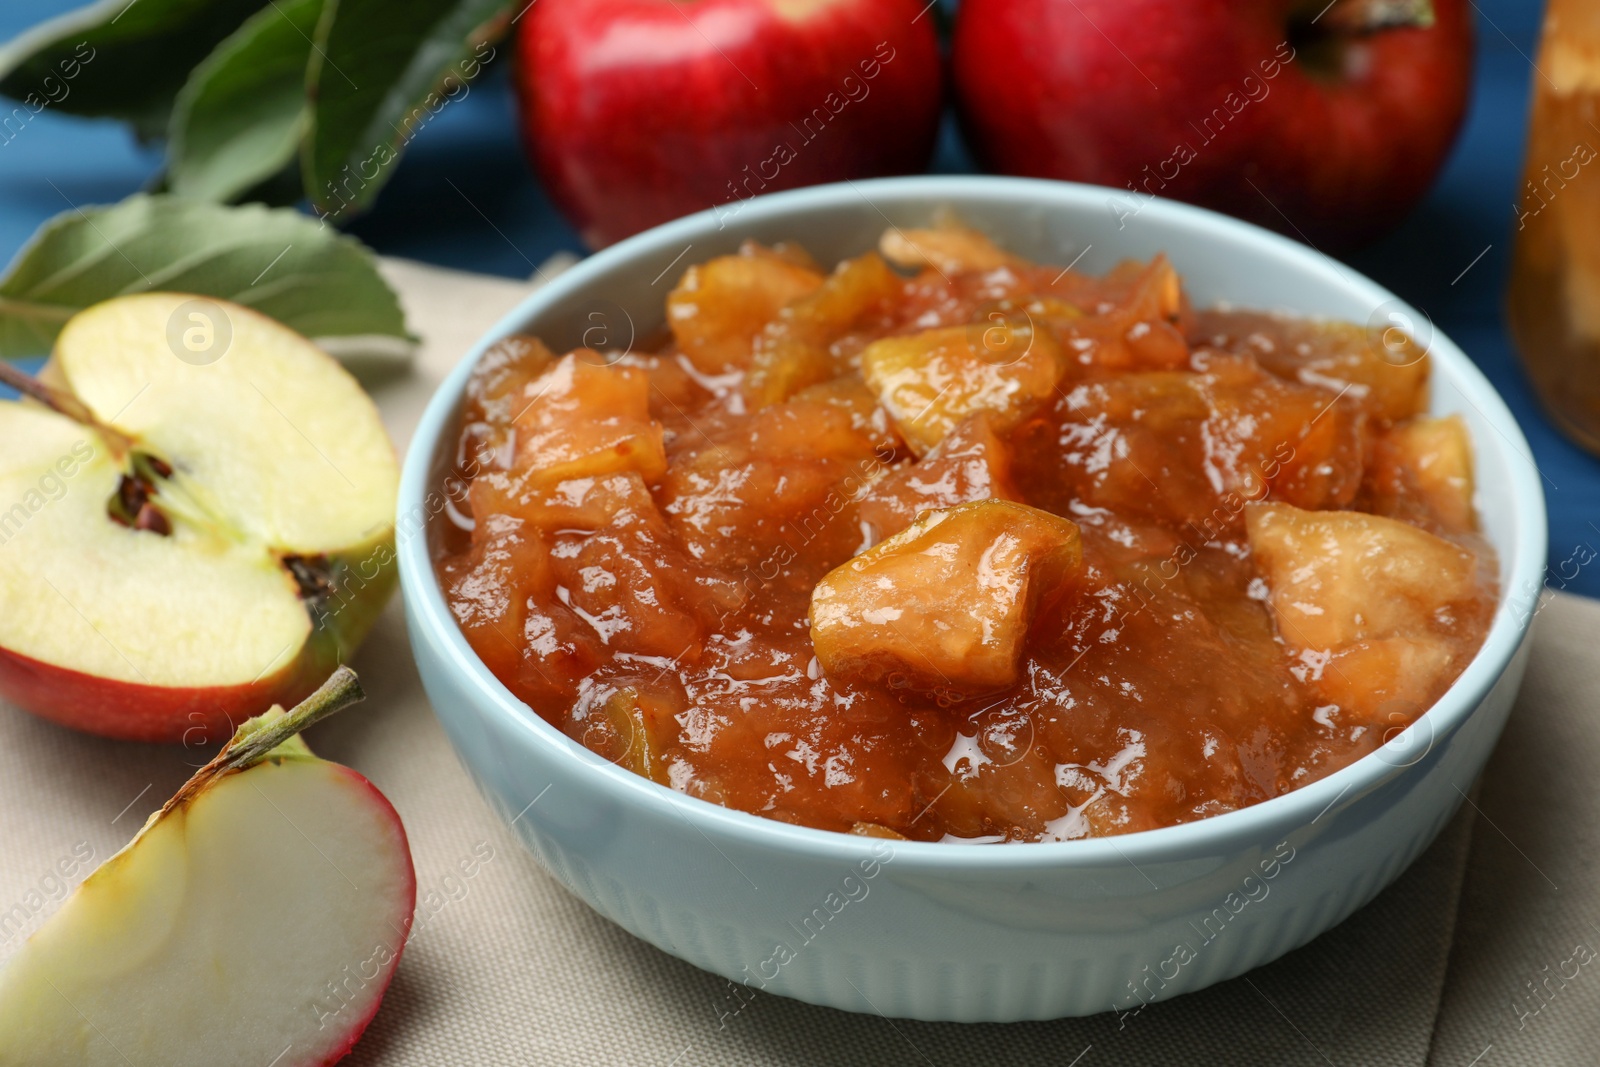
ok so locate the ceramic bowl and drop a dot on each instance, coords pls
(952, 932)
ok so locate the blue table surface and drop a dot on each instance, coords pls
(464, 197)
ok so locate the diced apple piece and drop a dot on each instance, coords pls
(676, 387)
(591, 503)
(794, 350)
(1306, 444)
(1145, 292)
(1361, 590)
(574, 504)
(1425, 466)
(720, 306)
(1158, 345)
(1386, 371)
(584, 418)
(495, 394)
(1342, 576)
(490, 584)
(1389, 679)
(630, 730)
(501, 592)
(503, 373)
(1054, 311)
(949, 249)
(1187, 448)
(1137, 321)
(1438, 454)
(633, 587)
(792, 252)
(945, 605)
(932, 380)
(848, 393)
(780, 479)
(970, 464)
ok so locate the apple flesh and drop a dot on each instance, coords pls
(638, 111)
(1326, 128)
(261, 913)
(943, 606)
(183, 543)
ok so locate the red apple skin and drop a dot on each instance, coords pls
(637, 111)
(203, 717)
(130, 711)
(1109, 91)
(359, 1026)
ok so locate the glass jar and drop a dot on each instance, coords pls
(1554, 300)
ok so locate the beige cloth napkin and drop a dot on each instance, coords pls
(1484, 953)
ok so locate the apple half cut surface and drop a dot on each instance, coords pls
(196, 522)
(259, 914)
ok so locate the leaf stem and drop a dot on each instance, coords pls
(32, 309)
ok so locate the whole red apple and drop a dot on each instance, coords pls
(638, 111)
(1327, 121)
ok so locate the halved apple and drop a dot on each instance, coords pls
(185, 539)
(258, 916)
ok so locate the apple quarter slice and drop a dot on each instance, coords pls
(257, 918)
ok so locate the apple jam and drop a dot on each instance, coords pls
(947, 545)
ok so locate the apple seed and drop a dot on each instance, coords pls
(149, 518)
(312, 575)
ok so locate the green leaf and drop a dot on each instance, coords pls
(278, 261)
(123, 59)
(381, 70)
(239, 118)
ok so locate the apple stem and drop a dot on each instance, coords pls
(1370, 16)
(256, 739)
(60, 402)
(259, 737)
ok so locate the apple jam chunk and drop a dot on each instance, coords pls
(1371, 657)
(943, 544)
(931, 380)
(945, 605)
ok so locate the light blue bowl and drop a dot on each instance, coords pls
(948, 932)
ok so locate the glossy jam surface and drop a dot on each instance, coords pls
(948, 545)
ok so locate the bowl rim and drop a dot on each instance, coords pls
(1274, 817)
